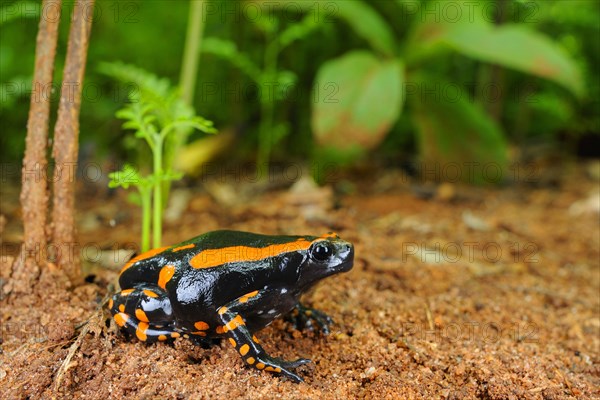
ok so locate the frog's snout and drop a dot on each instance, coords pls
(347, 255)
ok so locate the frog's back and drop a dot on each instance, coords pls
(217, 248)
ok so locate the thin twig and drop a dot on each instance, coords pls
(74, 347)
(429, 316)
(85, 327)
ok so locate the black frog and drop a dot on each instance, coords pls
(227, 284)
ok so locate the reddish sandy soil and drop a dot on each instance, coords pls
(457, 293)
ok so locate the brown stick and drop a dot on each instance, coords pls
(34, 190)
(66, 137)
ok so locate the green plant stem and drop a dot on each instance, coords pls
(157, 201)
(191, 52)
(264, 140)
(267, 112)
(483, 79)
(146, 199)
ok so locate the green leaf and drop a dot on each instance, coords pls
(136, 118)
(462, 26)
(126, 177)
(457, 140)
(188, 123)
(518, 47)
(437, 20)
(298, 30)
(133, 125)
(228, 50)
(357, 98)
(125, 113)
(366, 23)
(148, 84)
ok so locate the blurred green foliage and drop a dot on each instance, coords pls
(451, 129)
(412, 47)
(273, 84)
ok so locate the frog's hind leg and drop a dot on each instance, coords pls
(145, 312)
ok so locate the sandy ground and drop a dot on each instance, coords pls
(462, 293)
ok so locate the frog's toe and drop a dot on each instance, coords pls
(291, 376)
(309, 318)
(285, 369)
(322, 320)
(279, 366)
(205, 343)
(297, 363)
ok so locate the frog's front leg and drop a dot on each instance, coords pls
(247, 345)
(145, 312)
(306, 317)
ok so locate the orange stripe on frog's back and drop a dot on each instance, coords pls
(215, 257)
(143, 256)
(184, 247)
(330, 235)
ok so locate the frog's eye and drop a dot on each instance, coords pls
(321, 251)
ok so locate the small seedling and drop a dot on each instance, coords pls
(157, 115)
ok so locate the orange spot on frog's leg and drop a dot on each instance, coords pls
(141, 315)
(140, 332)
(110, 304)
(250, 360)
(165, 275)
(122, 308)
(247, 296)
(201, 325)
(121, 319)
(162, 338)
(233, 342)
(150, 293)
(244, 349)
(234, 323)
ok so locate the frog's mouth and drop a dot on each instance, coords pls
(345, 254)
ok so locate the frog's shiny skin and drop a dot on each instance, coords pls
(227, 284)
